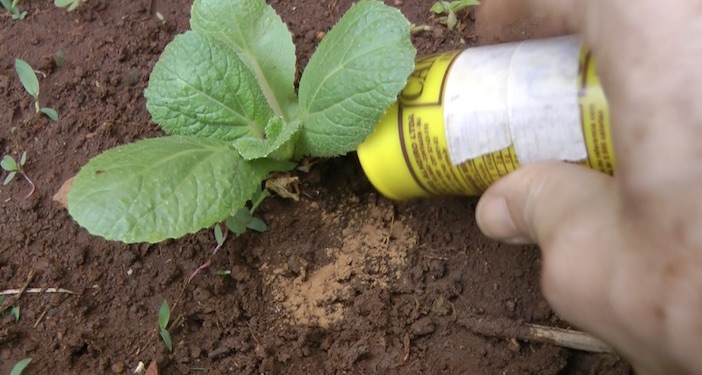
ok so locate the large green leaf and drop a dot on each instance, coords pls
(355, 74)
(199, 87)
(163, 188)
(254, 31)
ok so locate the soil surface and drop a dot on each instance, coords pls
(343, 282)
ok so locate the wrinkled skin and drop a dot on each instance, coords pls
(623, 255)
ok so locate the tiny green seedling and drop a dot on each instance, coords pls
(71, 4)
(13, 167)
(31, 84)
(164, 316)
(59, 58)
(20, 366)
(11, 7)
(450, 8)
(225, 93)
(238, 223)
(10, 310)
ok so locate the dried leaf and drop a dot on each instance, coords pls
(62, 195)
(153, 369)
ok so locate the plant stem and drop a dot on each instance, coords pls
(264, 194)
(36, 104)
(30, 183)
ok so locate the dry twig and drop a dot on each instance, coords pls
(566, 338)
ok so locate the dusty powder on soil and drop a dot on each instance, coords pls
(372, 252)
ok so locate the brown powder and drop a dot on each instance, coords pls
(372, 251)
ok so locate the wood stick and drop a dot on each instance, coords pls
(507, 328)
(567, 338)
(36, 290)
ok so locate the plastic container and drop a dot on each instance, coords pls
(467, 118)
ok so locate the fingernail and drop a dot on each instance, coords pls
(495, 220)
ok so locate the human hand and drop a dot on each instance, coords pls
(622, 256)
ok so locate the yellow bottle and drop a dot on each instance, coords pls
(467, 118)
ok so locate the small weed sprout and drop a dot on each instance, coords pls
(20, 366)
(71, 4)
(59, 58)
(10, 310)
(164, 316)
(12, 167)
(238, 223)
(11, 7)
(31, 84)
(450, 8)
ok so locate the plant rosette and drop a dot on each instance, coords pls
(224, 92)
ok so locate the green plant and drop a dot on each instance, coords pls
(450, 8)
(10, 310)
(71, 4)
(164, 316)
(12, 8)
(224, 91)
(13, 167)
(31, 84)
(20, 366)
(58, 59)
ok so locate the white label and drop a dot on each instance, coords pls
(522, 94)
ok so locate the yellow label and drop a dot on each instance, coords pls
(594, 114)
(423, 142)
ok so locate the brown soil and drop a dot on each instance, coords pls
(344, 281)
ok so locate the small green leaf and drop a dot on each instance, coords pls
(235, 225)
(50, 113)
(27, 77)
(164, 315)
(198, 87)
(278, 144)
(224, 273)
(59, 58)
(355, 74)
(440, 7)
(243, 215)
(23, 159)
(163, 188)
(451, 20)
(63, 3)
(257, 224)
(457, 6)
(15, 311)
(7, 4)
(219, 236)
(8, 163)
(20, 366)
(9, 178)
(166, 337)
(254, 31)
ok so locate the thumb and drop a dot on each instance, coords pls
(535, 203)
(572, 213)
